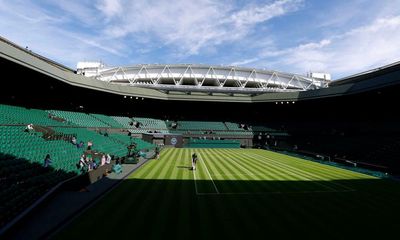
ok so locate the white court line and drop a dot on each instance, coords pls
(215, 186)
(304, 172)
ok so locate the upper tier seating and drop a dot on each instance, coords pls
(151, 123)
(20, 115)
(124, 121)
(108, 120)
(233, 126)
(80, 119)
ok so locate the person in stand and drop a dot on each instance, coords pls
(80, 145)
(73, 140)
(108, 159)
(47, 161)
(89, 145)
(29, 128)
(194, 161)
(103, 159)
(82, 163)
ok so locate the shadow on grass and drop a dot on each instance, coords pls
(237, 209)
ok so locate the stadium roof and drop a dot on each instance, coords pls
(378, 78)
(201, 78)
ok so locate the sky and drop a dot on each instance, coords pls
(341, 37)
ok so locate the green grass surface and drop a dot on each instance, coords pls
(241, 194)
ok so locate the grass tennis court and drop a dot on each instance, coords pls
(237, 194)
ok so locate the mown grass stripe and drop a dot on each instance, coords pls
(144, 172)
(203, 182)
(225, 182)
(168, 191)
(307, 163)
(215, 169)
(310, 175)
(231, 159)
(338, 202)
(258, 169)
(203, 161)
(152, 182)
(283, 184)
(117, 197)
(147, 198)
(297, 171)
(252, 183)
(271, 173)
(205, 223)
(231, 184)
(289, 179)
(186, 200)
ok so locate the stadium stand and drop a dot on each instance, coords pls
(20, 115)
(31, 146)
(124, 121)
(151, 123)
(100, 143)
(108, 120)
(80, 119)
(233, 126)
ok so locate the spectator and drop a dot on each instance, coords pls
(108, 159)
(89, 145)
(103, 159)
(89, 161)
(82, 162)
(29, 128)
(47, 161)
(73, 140)
(80, 145)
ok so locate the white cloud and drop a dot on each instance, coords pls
(42, 32)
(181, 28)
(110, 8)
(80, 12)
(244, 62)
(356, 50)
(191, 26)
(257, 14)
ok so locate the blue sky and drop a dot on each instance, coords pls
(341, 37)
